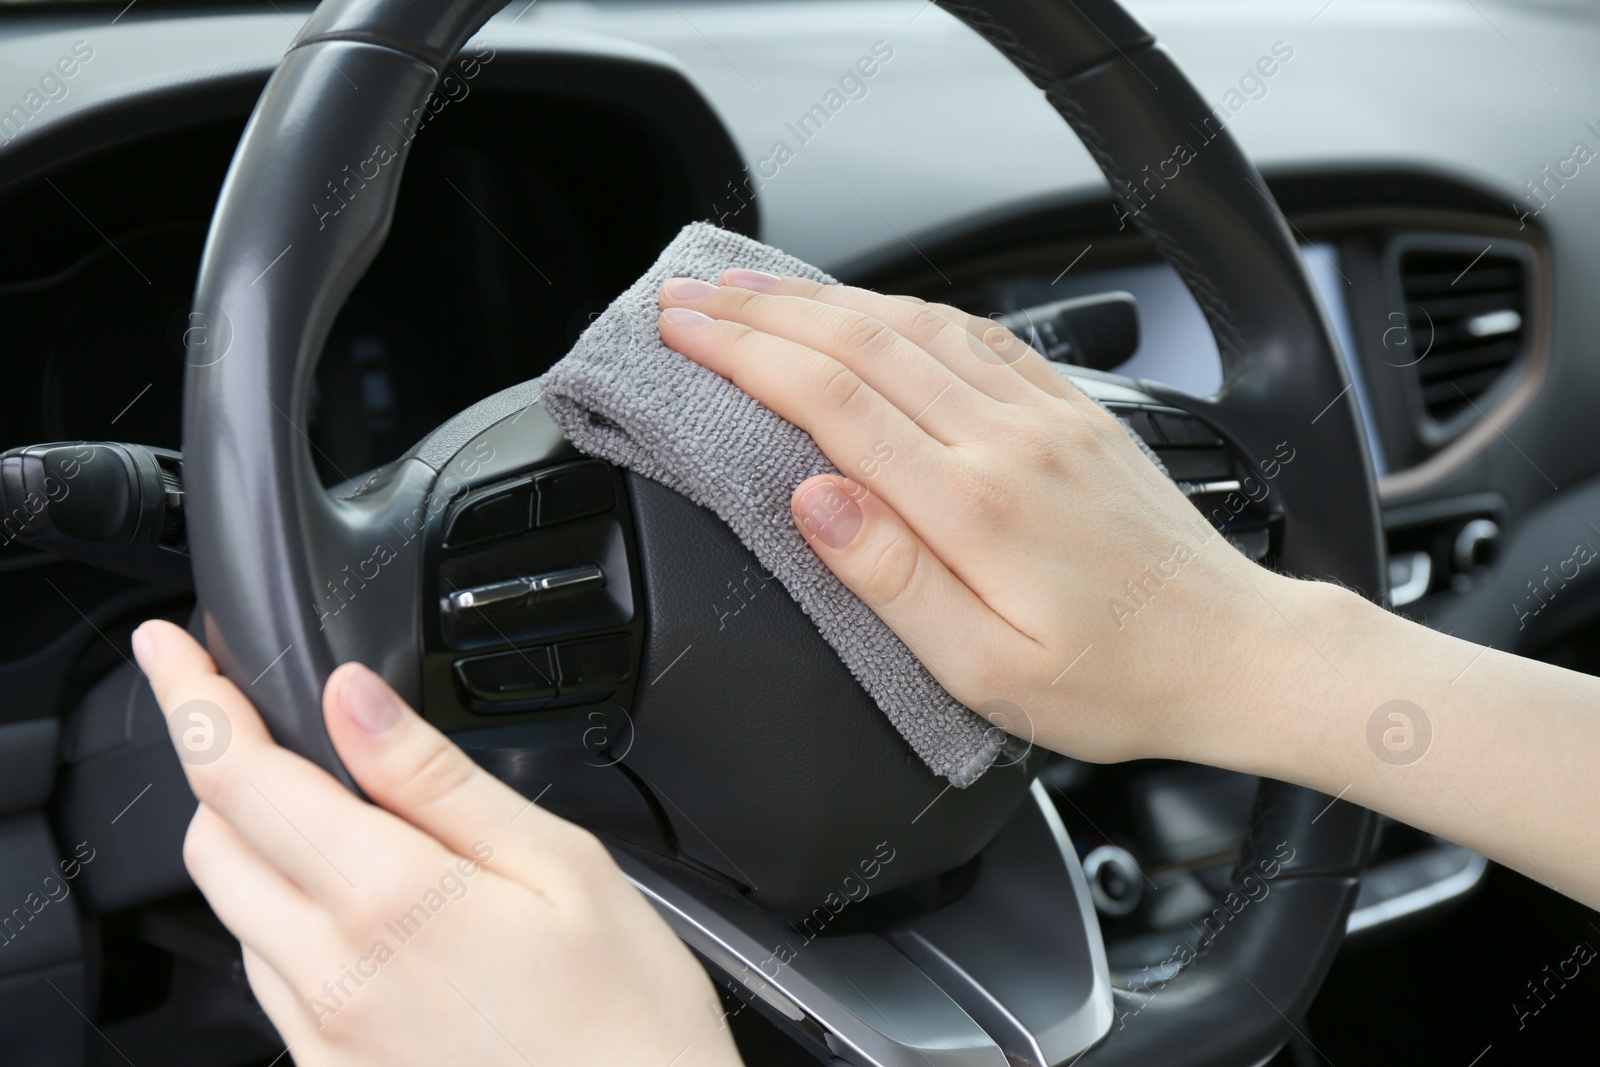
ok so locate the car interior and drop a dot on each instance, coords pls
(1330, 259)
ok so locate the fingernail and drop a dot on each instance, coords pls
(373, 705)
(759, 280)
(829, 515)
(688, 289)
(142, 648)
(685, 317)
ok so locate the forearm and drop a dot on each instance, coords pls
(1497, 753)
(1034, 558)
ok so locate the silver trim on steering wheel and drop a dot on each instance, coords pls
(1014, 971)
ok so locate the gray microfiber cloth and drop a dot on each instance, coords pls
(622, 395)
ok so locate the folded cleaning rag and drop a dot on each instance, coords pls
(622, 395)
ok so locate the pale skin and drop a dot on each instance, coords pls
(1009, 511)
(537, 956)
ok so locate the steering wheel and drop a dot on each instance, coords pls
(736, 824)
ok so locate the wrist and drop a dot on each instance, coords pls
(1280, 676)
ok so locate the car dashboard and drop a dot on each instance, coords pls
(1440, 218)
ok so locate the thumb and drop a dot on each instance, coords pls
(417, 773)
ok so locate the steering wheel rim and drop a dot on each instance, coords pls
(263, 529)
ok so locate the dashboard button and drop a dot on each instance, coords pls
(500, 513)
(594, 667)
(1255, 544)
(1196, 464)
(1185, 431)
(524, 677)
(574, 491)
(1142, 424)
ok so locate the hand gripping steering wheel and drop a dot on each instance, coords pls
(737, 790)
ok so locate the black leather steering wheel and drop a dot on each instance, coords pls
(756, 810)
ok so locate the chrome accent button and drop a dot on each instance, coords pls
(483, 596)
(532, 588)
(570, 580)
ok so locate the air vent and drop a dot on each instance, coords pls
(1467, 310)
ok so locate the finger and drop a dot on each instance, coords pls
(881, 559)
(1048, 378)
(848, 420)
(1007, 346)
(260, 907)
(1012, 357)
(991, 359)
(421, 776)
(179, 670)
(320, 835)
(286, 1011)
(942, 402)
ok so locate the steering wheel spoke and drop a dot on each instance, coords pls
(1011, 971)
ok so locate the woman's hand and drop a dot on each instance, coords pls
(1013, 535)
(1003, 524)
(454, 922)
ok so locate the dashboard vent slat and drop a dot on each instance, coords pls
(1450, 395)
(1468, 310)
(1466, 357)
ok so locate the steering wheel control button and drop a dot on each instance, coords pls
(574, 491)
(1115, 881)
(485, 596)
(523, 679)
(552, 585)
(1255, 544)
(1184, 431)
(499, 513)
(1143, 424)
(546, 676)
(587, 578)
(1197, 464)
(595, 668)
